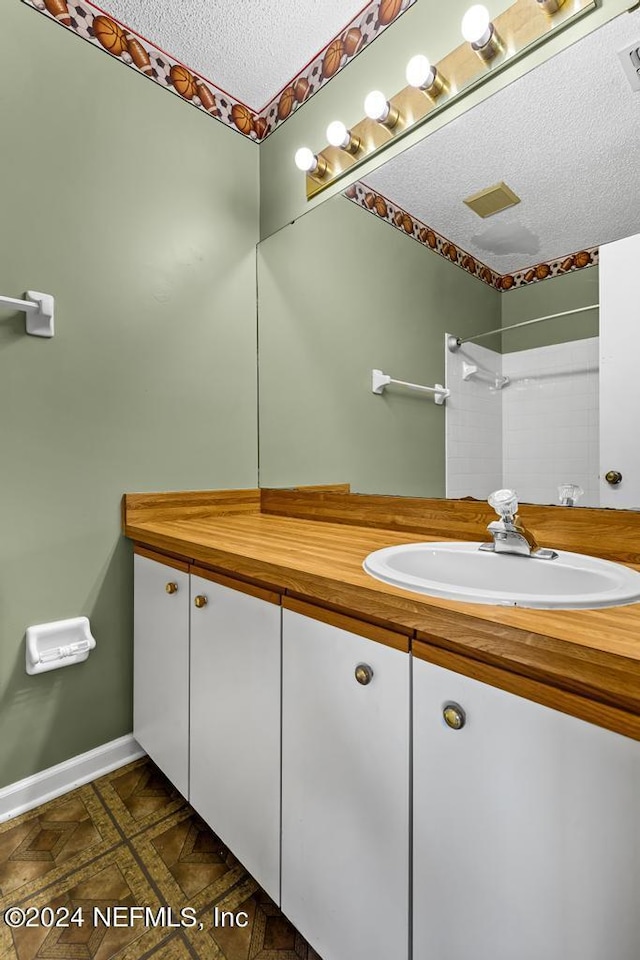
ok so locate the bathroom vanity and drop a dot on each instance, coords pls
(397, 771)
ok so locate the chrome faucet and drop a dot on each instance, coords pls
(509, 535)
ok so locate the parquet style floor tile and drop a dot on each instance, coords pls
(188, 862)
(138, 796)
(129, 839)
(267, 936)
(45, 844)
(115, 879)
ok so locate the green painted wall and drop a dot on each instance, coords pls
(556, 295)
(341, 292)
(141, 216)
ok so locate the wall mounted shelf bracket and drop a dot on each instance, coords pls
(38, 308)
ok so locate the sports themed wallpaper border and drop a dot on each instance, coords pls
(358, 34)
(124, 44)
(362, 195)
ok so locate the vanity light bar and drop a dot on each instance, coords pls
(488, 47)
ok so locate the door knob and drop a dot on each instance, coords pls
(454, 716)
(201, 601)
(364, 674)
(171, 587)
(613, 477)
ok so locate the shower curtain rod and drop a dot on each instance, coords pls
(454, 342)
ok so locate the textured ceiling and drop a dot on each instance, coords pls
(565, 138)
(247, 47)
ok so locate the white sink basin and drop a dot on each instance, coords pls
(460, 571)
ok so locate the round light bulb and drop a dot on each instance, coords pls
(476, 25)
(376, 106)
(419, 72)
(305, 160)
(338, 135)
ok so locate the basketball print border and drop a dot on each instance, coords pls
(400, 219)
(141, 55)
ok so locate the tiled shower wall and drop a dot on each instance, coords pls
(539, 431)
(550, 421)
(474, 425)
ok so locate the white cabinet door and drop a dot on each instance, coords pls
(345, 792)
(526, 830)
(235, 725)
(161, 667)
(619, 381)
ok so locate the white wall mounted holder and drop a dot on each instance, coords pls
(39, 308)
(380, 380)
(470, 370)
(58, 644)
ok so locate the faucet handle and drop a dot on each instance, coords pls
(569, 493)
(505, 503)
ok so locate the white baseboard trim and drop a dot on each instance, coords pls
(26, 794)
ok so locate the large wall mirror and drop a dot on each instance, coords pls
(377, 279)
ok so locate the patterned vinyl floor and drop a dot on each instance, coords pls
(130, 839)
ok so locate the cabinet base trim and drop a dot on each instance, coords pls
(55, 781)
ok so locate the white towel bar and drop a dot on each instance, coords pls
(38, 308)
(470, 370)
(380, 380)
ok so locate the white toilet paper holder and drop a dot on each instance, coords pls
(58, 644)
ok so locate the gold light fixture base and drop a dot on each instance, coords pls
(391, 119)
(322, 168)
(490, 50)
(492, 200)
(438, 87)
(550, 6)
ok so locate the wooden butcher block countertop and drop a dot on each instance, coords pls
(308, 545)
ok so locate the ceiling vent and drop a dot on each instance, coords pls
(630, 60)
(492, 200)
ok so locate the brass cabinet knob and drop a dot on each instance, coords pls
(171, 587)
(454, 716)
(364, 673)
(200, 601)
(613, 477)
